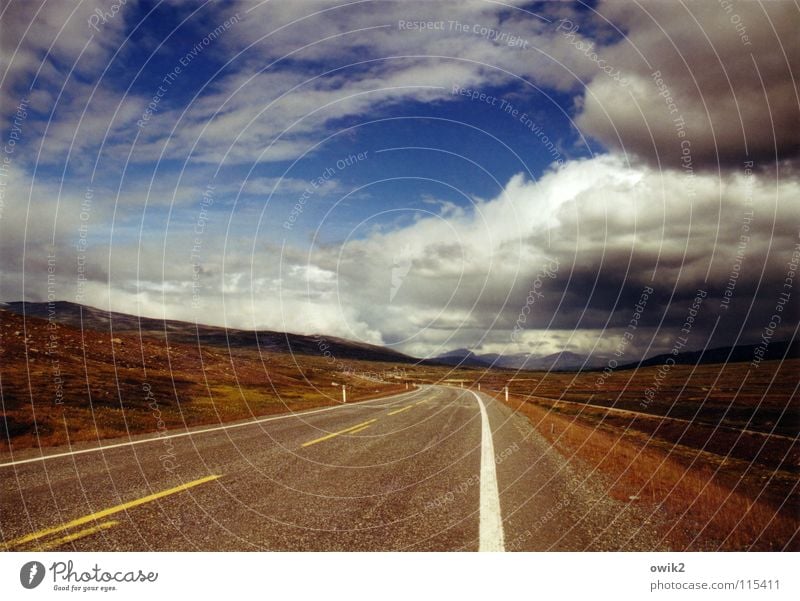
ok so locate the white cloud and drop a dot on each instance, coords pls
(608, 224)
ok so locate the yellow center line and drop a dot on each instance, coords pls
(106, 512)
(81, 534)
(332, 434)
(396, 411)
(361, 429)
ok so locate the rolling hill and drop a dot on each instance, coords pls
(90, 318)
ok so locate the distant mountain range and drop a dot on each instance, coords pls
(569, 361)
(461, 358)
(563, 361)
(726, 354)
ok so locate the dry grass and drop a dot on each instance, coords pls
(760, 399)
(105, 381)
(703, 504)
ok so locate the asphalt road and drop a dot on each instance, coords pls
(433, 469)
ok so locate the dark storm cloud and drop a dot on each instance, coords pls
(723, 74)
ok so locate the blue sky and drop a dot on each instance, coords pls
(487, 139)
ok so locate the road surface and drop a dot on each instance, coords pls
(436, 468)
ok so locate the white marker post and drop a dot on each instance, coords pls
(344, 394)
(479, 385)
(506, 390)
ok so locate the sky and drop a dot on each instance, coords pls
(508, 177)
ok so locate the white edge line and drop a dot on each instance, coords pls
(491, 536)
(203, 431)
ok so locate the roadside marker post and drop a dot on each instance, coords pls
(344, 394)
(506, 391)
